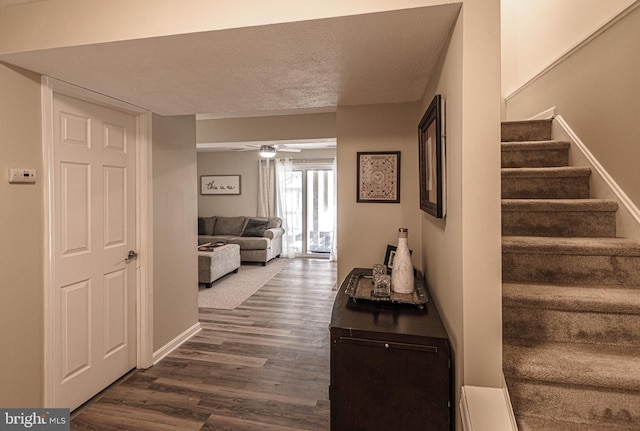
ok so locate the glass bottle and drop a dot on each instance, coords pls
(402, 280)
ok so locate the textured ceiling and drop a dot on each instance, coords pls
(309, 66)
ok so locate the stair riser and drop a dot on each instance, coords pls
(573, 403)
(526, 131)
(559, 223)
(576, 327)
(535, 158)
(570, 269)
(545, 188)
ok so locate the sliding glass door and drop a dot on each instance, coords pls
(321, 210)
(311, 217)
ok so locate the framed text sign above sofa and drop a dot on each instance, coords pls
(220, 184)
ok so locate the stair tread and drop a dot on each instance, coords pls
(595, 365)
(585, 357)
(609, 299)
(581, 205)
(548, 172)
(535, 145)
(532, 423)
(566, 245)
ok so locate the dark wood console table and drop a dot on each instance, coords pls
(390, 367)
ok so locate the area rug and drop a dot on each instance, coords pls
(233, 289)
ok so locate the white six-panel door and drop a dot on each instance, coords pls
(93, 231)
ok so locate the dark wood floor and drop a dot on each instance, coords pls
(262, 366)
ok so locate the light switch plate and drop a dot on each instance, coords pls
(24, 176)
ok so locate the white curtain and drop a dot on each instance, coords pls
(266, 188)
(285, 204)
(334, 236)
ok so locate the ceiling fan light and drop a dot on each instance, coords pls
(267, 151)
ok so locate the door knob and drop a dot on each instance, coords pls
(131, 256)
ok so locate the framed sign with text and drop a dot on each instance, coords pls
(220, 184)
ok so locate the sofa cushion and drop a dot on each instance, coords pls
(251, 243)
(205, 225)
(229, 225)
(255, 227)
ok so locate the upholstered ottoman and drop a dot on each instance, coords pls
(214, 264)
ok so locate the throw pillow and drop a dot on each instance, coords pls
(255, 227)
(207, 225)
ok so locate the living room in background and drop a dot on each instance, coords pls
(307, 206)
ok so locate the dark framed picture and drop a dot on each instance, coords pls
(378, 177)
(431, 156)
(220, 184)
(390, 256)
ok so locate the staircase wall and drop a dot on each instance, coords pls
(602, 184)
(546, 30)
(595, 87)
(461, 253)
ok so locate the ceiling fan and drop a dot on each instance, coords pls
(269, 151)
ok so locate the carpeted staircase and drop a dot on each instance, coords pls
(571, 292)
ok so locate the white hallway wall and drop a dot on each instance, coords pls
(22, 227)
(175, 261)
(462, 253)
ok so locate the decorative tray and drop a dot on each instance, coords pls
(210, 246)
(360, 287)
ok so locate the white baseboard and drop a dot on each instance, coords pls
(603, 186)
(507, 401)
(172, 345)
(486, 409)
(465, 413)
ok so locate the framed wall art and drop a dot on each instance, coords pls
(378, 177)
(431, 156)
(220, 184)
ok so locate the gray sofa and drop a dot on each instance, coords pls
(259, 238)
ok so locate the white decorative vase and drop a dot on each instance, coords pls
(402, 280)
